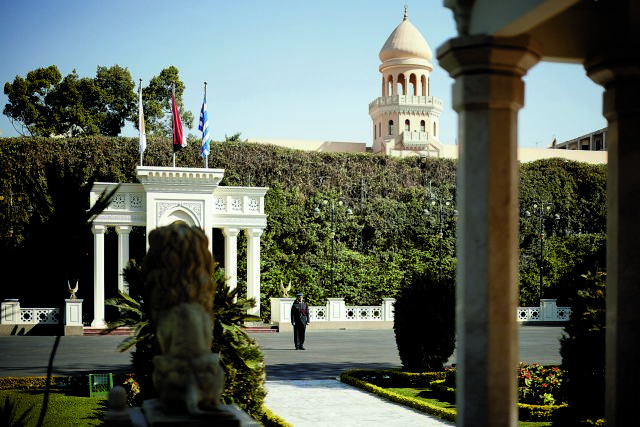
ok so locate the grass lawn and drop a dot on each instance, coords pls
(64, 409)
(426, 395)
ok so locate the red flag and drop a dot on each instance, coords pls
(178, 138)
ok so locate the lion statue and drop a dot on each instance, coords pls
(178, 270)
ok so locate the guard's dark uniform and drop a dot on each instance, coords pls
(299, 320)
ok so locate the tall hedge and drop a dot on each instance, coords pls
(388, 238)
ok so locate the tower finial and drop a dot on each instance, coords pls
(406, 13)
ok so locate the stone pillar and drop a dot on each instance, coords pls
(548, 309)
(231, 256)
(10, 312)
(253, 267)
(619, 74)
(387, 309)
(336, 309)
(98, 276)
(487, 94)
(73, 317)
(123, 255)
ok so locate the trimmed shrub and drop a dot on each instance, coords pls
(424, 322)
(583, 351)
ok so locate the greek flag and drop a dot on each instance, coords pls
(204, 128)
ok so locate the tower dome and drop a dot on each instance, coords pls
(405, 42)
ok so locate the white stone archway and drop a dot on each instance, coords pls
(192, 195)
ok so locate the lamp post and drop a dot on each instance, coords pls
(440, 206)
(332, 211)
(540, 210)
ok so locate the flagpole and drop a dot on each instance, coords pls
(139, 115)
(206, 158)
(173, 125)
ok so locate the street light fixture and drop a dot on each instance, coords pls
(440, 206)
(332, 210)
(540, 210)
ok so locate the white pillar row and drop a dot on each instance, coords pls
(98, 276)
(253, 267)
(123, 255)
(487, 94)
(231, 256)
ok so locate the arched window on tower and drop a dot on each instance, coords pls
(413, 85)
(390, 86)
(423, 83)
(390, 127)
(407, 125)
(434, 131)
(422, 126)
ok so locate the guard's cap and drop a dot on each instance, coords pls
(300, 294)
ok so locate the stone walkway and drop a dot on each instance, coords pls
(334, 404)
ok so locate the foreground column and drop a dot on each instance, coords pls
(253, 267)
(487, 94)
(98, 276)
(620, 76)
(231, 256)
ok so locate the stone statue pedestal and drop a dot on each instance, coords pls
(152, 415)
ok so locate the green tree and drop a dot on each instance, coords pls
(117, 98)
(45, 104)
(156, 98)
(28, 108)
(74, 106)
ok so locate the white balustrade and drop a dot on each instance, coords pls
(547, 312)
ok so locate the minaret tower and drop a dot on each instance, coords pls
(406, 118)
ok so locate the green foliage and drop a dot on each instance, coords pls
(538, 384)
(156, 99)
(28, 108)
(583, 350)
(387, 239)
(46, 104)
(424, 322)
(240, 355)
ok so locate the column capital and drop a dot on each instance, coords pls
(98, 228)
(484, 53)
(230, 232)
(123, 229)
(615, 66)
(253, 232)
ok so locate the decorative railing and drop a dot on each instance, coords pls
(41, 316)
(12, 314)
(334, 311)
(547, 312)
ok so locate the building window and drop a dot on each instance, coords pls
(390, 127)
(422, 126)
(435, 134)
(407, 125)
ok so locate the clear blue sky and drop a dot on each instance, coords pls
(275, 69)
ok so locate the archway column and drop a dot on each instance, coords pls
(619, 74)
(98, 276)
(253, 267)
(123, 255)
(487, 94)
(231, 256)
